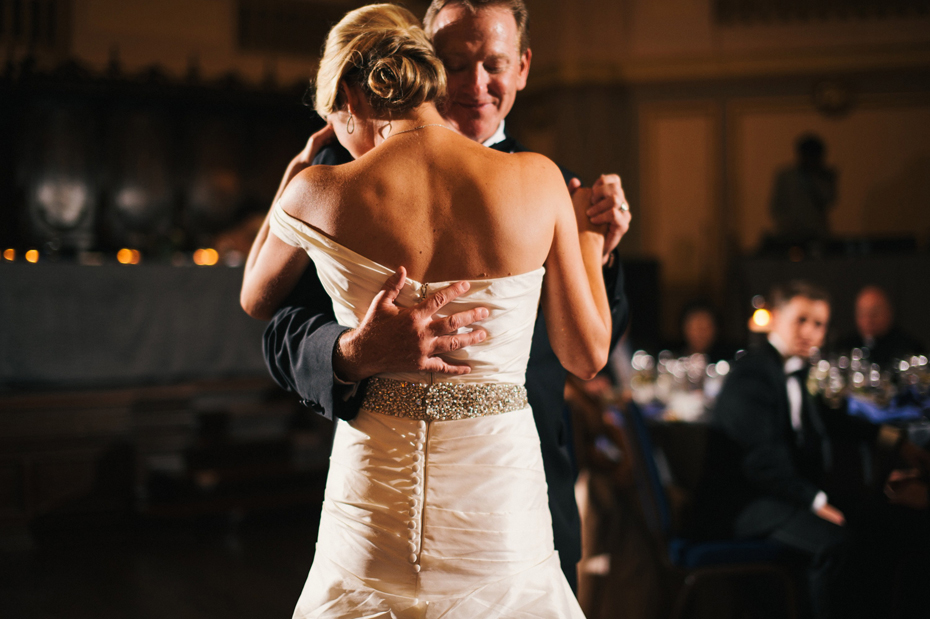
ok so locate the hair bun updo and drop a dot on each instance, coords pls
(382, 49)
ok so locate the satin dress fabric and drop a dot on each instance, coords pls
(434, 519)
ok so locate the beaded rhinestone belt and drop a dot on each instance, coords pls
(442, 401)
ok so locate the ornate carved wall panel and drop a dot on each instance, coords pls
(37, 25)
(879, 150)
(294, 26)
(749, 11)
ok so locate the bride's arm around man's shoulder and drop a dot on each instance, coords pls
(274, 266)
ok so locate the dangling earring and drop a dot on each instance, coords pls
(350, 124)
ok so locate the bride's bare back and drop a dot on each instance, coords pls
(444, 207)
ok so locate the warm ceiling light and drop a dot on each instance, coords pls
(206, 257)
(32, 255)
(9, 254)
(760, 320)
(124, 256)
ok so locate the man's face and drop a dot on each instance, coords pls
(801, 323)
(873, 314)
(481, 52)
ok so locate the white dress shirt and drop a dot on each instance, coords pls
(795, 398)
(499, 136)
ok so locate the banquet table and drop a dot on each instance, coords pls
(69, 325)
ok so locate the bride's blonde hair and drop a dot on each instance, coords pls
(382, 49)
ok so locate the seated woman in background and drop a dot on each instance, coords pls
(700, 330)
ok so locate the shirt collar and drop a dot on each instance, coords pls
(792, 364)
(499, 136)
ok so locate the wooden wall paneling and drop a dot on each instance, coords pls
(588, 129)
(880, 149)
(681, 212)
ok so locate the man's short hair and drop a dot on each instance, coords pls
(875, 289)
(782, 294)
(810, 145)
(517, 7)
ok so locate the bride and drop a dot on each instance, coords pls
(436, 500)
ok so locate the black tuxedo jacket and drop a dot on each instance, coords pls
(753, 411)
(299, 342)
(756, 455)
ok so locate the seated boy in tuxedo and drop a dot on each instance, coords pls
(776, 449)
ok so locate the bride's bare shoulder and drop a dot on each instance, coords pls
(310, 190)
(534, 163)
(539, 171)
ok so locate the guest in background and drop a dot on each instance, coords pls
(877, 331)
(804, 193)
(700, 330)
(771, 470)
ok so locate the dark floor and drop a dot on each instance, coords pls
(225, 567)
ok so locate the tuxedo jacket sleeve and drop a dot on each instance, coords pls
(545, 387)
(299, 340)
(753, 411)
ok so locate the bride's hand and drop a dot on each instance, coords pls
(609, 207)
(581, 201)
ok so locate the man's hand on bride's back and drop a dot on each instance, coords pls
(391, 338)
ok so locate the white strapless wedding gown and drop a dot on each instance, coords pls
(434, 519)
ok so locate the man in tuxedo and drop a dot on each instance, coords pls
(780, 452)
(484, 46)
(876, 330)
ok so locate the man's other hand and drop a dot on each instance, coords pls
(391, 338)
(831, 514)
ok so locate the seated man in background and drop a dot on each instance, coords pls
(777, 453)
(876, 330)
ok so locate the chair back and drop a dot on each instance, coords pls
(655, 504)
